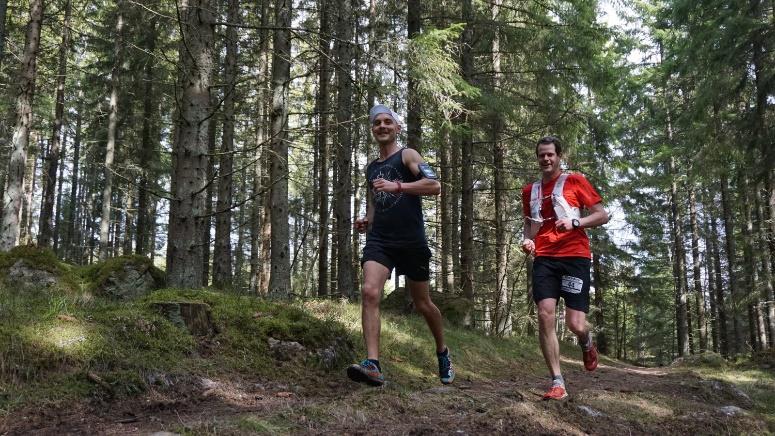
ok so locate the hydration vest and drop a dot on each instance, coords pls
(562, 209)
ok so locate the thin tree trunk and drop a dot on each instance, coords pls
(597, 277)
(257, 243)
(147, 145)
(207, 221)
(682, 327)
(500, 175)
(58, 207)
(3, 10)
(280, 277)
(52, 159)
(467, 200)
(447, 188)
(239, 251)
(768, 245)
(222, 273)
(343, 187)
(699, 293)
(25, 90)
(711, 274)
(749, 270)
(110, 150)
(321, 109)
(189, 170)
(729, 238)
(30, 174)
(724, 338)
(413, 103)
(72, 216)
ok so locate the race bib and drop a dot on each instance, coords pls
(572, 284)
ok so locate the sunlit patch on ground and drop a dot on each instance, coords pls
(628, 404)
(66, 336)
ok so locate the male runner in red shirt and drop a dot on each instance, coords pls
(554, 233)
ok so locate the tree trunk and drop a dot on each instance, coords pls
(500, 175)
(189, 157)
(30, 174)
(222, 274)
(699, 293)
(280, 277)
(711, 274)
(147, 145)
(729, 238)
(682, 329)
(724, 338)
(110, 150)
(447, 238)
(58, 214)
(597, 278)
(467, 200)
(413, 103)
(52, 159)
(767, 236)
(25, 90)
(239, 250)
(321, 109)
(749, 270)
(343, 187)
(3, 10)
(71, 237)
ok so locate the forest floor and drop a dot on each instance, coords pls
(76, 363)
(615, 399)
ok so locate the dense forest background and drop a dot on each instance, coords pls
(226, 140)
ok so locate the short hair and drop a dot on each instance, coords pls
(551, 140)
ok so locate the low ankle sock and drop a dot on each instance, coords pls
(443, 353)
(586, 344)
(376, 362)
(557, 380)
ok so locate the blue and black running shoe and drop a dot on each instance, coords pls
(366, 372)
(446, 373)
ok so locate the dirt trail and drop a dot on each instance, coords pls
(611, 400)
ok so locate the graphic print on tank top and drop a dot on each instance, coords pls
(386, 200)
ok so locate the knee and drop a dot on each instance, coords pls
(371, 295)
(546, 317)
(423, 305)
(576, 326)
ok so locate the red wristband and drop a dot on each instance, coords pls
(399, 185)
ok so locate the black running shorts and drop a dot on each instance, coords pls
(412, 261)
(566, 277)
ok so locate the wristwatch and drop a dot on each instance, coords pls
(575, 222)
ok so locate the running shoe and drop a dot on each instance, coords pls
(590, 357)
(446, 373)
(556, 392)
(366, 372)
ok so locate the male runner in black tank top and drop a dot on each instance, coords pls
(395, 237)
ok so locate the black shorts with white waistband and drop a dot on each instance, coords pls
(566, 277)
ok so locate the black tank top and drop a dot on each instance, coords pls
(398, 217)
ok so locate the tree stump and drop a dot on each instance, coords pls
(195, 317)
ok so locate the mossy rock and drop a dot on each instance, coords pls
(29, 267)
(454, 308)
(124, 277)
(707, 359)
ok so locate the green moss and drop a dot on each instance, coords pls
(96, 274)
(42, 259)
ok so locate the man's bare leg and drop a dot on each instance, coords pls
(547, 335)
(374, 277)
(420, 292)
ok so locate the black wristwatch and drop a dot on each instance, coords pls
(575, 222)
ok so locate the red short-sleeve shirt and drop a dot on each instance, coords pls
(551, 242)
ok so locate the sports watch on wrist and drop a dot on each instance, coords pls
(575, 222)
